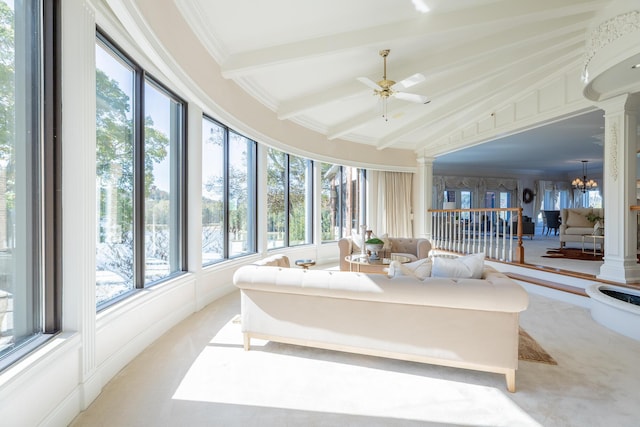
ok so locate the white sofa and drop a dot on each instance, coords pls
(575, 223)
(464, 323)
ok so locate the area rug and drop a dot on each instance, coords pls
(573, 253)
(530, 351)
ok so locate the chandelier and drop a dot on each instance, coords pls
(583, 184)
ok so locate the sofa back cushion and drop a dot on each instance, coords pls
(577, 218)
(404, 245)
(494, 293)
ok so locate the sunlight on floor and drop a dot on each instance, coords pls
(283, 376)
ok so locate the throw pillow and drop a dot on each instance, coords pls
(464, 267)
(598, 230)
(356, 242)
(420, 269)
(387, 242)
(577, 218)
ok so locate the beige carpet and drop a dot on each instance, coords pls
(198, 374)
(529, 350)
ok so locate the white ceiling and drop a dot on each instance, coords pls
(301, 59)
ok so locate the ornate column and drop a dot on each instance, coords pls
(423, 197)
(621, 142)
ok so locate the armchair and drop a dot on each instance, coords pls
(410, 247)
(552, 221)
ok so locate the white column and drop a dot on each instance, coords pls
(262, 206)
(423, 197)
(194, 196)
(79, 186)
(317, 207)
(619, 176)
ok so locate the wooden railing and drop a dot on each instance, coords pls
(488, 230)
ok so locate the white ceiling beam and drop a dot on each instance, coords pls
(453, 84)
(524, 38)
(507, 12)
(487, 72)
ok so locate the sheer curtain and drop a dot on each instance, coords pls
(392, 203)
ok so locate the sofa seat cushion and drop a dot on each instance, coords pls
(495, 292)
(578, 231)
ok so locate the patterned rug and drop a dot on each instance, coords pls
(530, 351)
(573, 253)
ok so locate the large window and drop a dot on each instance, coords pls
(140, 141)
(289, 199)
(29, 178)
(213, 191)
(228, 193)
(242, 195)
(341, 201)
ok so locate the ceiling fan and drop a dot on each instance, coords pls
(388, 88)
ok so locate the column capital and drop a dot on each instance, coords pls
(425, 160)
(620, 103)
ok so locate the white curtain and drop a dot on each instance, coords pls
(392, 204)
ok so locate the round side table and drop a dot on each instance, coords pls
(305, 263)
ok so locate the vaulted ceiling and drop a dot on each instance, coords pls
(302, 59)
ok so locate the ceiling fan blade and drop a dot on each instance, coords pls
(412, 97)
(373, 85)
(408, 82)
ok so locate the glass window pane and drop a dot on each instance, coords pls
(299, 196)
(328, 203)
(162, 138)
(241, 195)
(340, 201)
(276, 188)
(114, 176)
(213, 137)
(21, 284)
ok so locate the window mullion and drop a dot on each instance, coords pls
(287, 188)
(225, 199)
(139, 171)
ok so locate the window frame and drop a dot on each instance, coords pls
(141, 78)
(252, 186)
(308, 202)
(46, 195)
(347, 187)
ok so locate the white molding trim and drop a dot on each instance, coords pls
(556, 100)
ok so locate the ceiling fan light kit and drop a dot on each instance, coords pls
(387, 88)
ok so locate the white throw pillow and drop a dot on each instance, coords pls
(465, 267)
(356, 242)
(597, 229)
(387, 242)
(420, 269)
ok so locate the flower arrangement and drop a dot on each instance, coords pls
(374, 241)
(592, 217)
(374, 245)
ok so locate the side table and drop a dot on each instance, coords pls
(595, 240)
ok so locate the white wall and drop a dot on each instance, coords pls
(52, 385)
